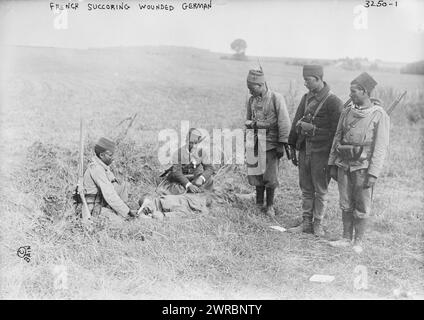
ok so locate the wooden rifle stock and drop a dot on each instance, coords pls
(85, 211)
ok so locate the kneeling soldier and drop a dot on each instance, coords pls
(104, 194)
(357, 156)
(191, 169)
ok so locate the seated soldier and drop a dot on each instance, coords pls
(104, 194)
(191, 170)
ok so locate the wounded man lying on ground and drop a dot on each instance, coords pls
(104, 194)
(173, 206)
(191, 169)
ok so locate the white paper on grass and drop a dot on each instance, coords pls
(278, 228)
(321, 278)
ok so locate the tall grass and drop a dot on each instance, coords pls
(230, 252)
(232, 246)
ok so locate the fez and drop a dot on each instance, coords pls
(313, 70)
(365, 81)
(104, 144)
(256, 76)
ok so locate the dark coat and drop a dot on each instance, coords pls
(326, 120)
(184, 170)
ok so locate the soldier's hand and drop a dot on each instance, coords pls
(293, 156)
(133, 213)
(280, 150)
(198, 182)
(333, 172)
(147, 211)
(193, 188)
(249, 124)
(369, 181)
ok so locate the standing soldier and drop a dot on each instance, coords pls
(104, 194)
(312, 133)
(266, 110)
(357, 156)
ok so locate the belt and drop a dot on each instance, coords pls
(364, 144)
(321, 130)
(93, 198)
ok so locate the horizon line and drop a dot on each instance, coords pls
(202, 49)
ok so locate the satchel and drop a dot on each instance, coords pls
(349, 152)
(306, 128)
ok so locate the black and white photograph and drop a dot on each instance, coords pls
(211, 151)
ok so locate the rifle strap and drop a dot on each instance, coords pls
(274, 102)
(320, 106)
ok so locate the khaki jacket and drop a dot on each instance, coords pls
(99, 179)
(270, 113)
(371, 131)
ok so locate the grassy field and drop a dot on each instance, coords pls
(231, 253)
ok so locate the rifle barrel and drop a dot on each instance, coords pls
(347, 102)
(81, 149)
(85, 211)
(395, 103)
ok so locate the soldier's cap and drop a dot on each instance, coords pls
(365, 81)
(256, 76)
(195, 135)
(105, 144)
(313, 70)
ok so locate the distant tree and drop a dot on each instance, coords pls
(414, 68)
(239, 46)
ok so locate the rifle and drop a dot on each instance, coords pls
(395, 103)
(80, 186)
(390, 108)
(347, 103)
(260, 66)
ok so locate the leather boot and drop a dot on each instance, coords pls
(270, 202)
(318, 230)
(260, 197)
(347, 218)
(346, 241)
(305, 226)
(359, 226)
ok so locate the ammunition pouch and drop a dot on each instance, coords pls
(349, 152)
(95, 203)
(305, 128)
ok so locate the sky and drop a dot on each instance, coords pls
(307, 29)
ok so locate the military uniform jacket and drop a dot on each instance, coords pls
(371, 131)
(326, 120)
(270, 113)
(98, 180)
(189, 164)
